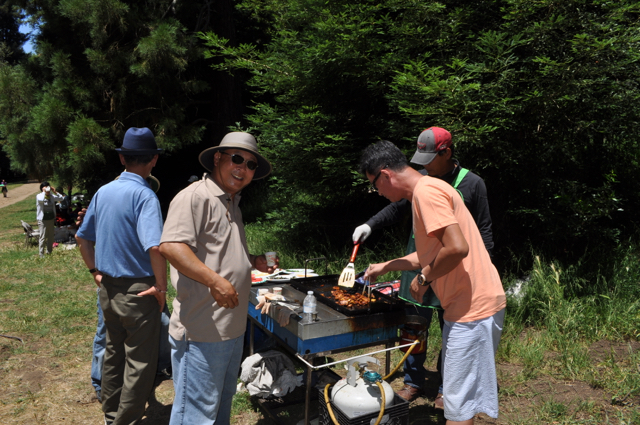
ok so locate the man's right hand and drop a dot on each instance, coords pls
(361, 233)
(224, 293)
(97, 278)
(373, 271)
(185, 261)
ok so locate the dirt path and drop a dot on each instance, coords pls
(19, 193)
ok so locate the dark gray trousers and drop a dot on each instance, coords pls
(131, 356)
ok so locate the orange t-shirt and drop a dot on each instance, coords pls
(472, 290)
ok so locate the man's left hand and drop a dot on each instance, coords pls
(260, 263)
(80, 218)
(417, 290)
(160, 296)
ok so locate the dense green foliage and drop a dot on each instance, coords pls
(541, 99)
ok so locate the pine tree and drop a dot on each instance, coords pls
(101, 67)
(11, 39)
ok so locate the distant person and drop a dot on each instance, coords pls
(119, 241)
(204, 240)
(435, 153)
(46, 216)
(3, 186)
(452, 260)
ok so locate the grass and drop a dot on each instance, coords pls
(569, 353)
(10, 221)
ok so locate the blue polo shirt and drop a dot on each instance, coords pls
(124, 219)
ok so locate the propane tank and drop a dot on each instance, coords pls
(358, 395)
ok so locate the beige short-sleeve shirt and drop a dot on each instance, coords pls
(205, 218)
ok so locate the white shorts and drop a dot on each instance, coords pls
(468, 367)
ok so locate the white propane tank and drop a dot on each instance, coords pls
(360, 399)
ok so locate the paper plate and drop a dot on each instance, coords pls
(258, 277)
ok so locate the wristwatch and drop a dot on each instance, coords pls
(93, 270)
(422, 281)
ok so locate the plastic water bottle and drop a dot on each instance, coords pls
(309, 307)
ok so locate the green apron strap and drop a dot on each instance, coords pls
(463, 172)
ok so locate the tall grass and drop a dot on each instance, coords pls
(551, 327)
(555, 298)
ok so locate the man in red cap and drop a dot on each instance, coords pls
(435, 153)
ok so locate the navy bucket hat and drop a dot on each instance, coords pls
(139, 141)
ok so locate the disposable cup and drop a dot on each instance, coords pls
(271, 258)
(277, 290)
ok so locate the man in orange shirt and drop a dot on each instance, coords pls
(454, 262)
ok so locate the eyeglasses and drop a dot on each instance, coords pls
(373, 187)
(239, 159)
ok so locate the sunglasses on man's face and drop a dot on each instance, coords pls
(239, 159)
(373, 188)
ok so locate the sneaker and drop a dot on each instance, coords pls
(409, 393)
(439, 402)
(99, 395)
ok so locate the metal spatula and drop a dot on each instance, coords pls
(348, 275)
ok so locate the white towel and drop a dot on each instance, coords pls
(269, 373)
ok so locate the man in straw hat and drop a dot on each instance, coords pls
(204, 240)
(119, 241)
(453, 261)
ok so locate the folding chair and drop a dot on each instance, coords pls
(29, 232)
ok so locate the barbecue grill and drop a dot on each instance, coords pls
(337, 327)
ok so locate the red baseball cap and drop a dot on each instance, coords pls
(430, 142)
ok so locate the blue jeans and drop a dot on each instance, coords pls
(205, 375)
(414, 371)
(100, 343)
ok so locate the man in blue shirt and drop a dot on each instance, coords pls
(119, 241)
(100, 339)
